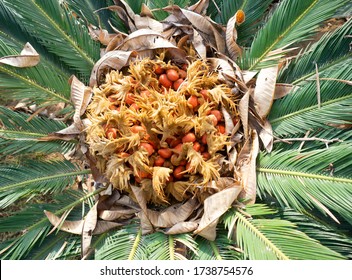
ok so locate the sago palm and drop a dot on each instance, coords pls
(75, 183)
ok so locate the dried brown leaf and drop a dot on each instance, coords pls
(80, 96)
(282, 90)
(231, 39)
(266, 136)
(246, 168)
(248, 75)
(182, 227)
(89, 224)
(214, 207)
(27, 58)
(172, 215)
(243, 111)
(200, 7)
(264, 90)
(113, 60)
(115, 214)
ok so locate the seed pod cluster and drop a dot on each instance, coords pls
(161, 126)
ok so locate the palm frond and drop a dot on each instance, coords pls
(122, 244)
(299, 111)
(254, 11)
(60, 32)
(326, 234)
(61, 246)
(34, 225)
(30, 178)
(19, 136)
(328, 53)
(43, 84)
(272, 239)
(302, 181)
(291, 22)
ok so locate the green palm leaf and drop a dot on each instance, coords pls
(19, 136)
(31, 178)
(327, 235)
(263, 239)
(329, 53)
(254, 11)
(299, 111)
(34, 225)
(302, 181)
(291, 22)
(123, 244)
(60, 32)
(43, 84)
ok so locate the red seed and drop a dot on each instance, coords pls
(214, 119)
(158, 70)
(221, 129)
(189, 137)
(175, 142)
(182, 73)
(164, 81)
(129, 98)
(159, 161)
(134, 106)
(178, 148)
(178, 172)
(172, 75)
(149, 148)
(193, 101)
(184, 67)
(196, 146)
(165, 153)
(204, 139)
(111, 133)
(206, 155)
(217, 114)
(137, 128)
(177, 84)
(145, 93)
(183, 162)
(205, 94)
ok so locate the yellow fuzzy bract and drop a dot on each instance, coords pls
(145, 117)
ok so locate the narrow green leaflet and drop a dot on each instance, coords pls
(291, 22)
(60, 32)
(303, 181)
(19, 136)
(275, 239)
(30, 178)
(329, 53)
(299, 111)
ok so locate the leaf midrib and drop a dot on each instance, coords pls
(321, 69)
(261, 236)
(28, 81)
(304, 174)
(45, 178)
(68, 38)
(282, 35)
(337, 100)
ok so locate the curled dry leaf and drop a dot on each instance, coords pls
(116, 214)
(246, 168)
(200, 7)
(76, 227)
(243, 111)
(172, 215)
(89, 225)
(27, 58)
(80, 96)
(111, 60)
(282, 90)
(215, 206)
(264, 90)
(231, 39)
(182, 227)
(266, 136)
